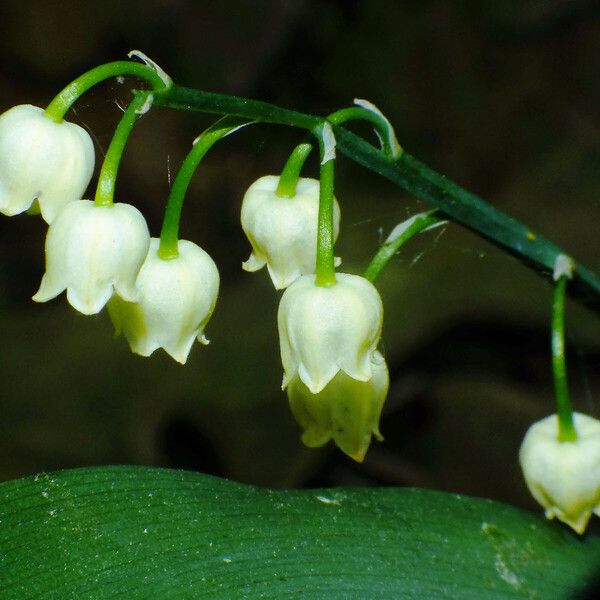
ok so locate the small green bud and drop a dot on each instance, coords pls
(345, 410)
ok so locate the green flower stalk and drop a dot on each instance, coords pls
(150, 72)
(325, 261)
(563, 271)
(398, 237)
(202, 144)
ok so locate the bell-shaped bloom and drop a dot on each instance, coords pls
(283, 231)
(42, 162)
(564, 477)
(324, 330)
(93, 251)
(177, 298)
(345, 410)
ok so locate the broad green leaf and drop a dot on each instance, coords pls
(135, 532)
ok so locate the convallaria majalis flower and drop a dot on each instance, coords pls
(93, 251)
(323, 330)
(176, 299)
(335, 379)
(345, 410)
(42, 162)
(282, 230)
(564, 476)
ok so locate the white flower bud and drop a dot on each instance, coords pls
(42, 160)
(345, 410)
(283, 231)
(323, 330)
(564, 477)
(92, 251)
(177, 298)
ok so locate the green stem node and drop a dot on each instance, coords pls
(564, 409)
(383, 128)
(169, 235)
(105, 190)
(398, 237)
(290, 174)
(65, 99)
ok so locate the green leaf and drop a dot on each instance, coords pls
(134, 532)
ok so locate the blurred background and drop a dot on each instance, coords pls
(500, 97)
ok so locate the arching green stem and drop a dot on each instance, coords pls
(169, 234)
(291, 171)
(105, 190)
(65, 99)
(411, 175)
(398, 237)
(325, 267)
(564, 409)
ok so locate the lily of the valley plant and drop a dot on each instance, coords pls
(161, 291)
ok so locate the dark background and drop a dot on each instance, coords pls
(500, 97)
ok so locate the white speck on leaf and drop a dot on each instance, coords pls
(505, 573)
(326, 500)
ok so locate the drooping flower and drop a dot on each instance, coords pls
(177, 298)
(564, 477)
(283, 231)
(345, 410)
(324, 330)
(93, 251)
(42, 163)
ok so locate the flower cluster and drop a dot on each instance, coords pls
(161, 292)
(101, 252)
(335, 378)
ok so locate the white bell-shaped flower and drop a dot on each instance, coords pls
(177, 298)
(92, 251)
(283, 231)
(42, 161)
(564, 477)
(323, 330)
(345, 410)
